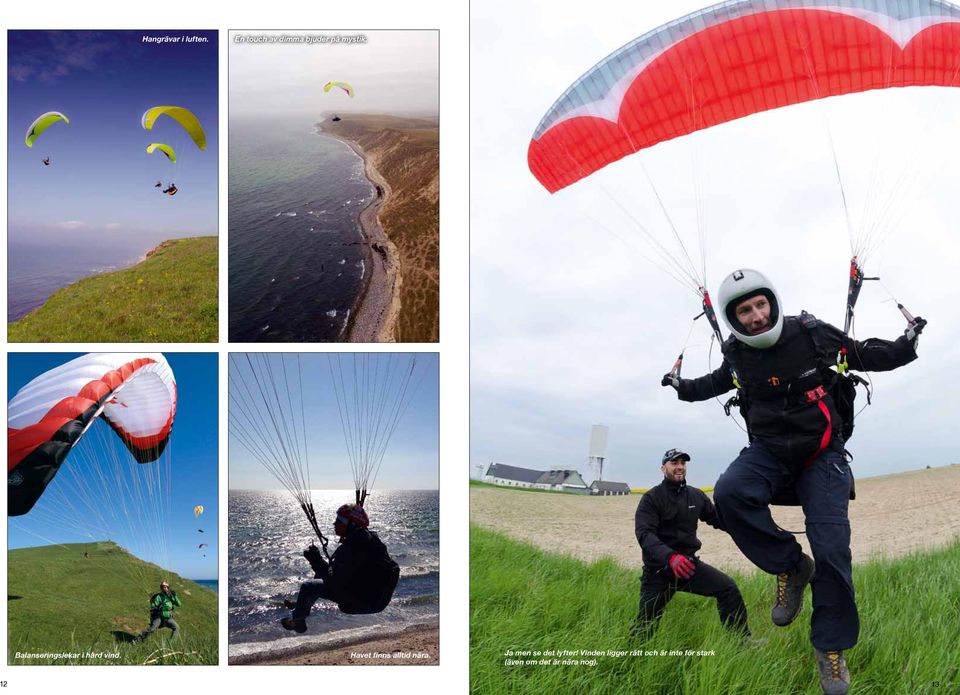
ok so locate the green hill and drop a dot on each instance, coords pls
(84, 603)
(547, 623)
(169, 297)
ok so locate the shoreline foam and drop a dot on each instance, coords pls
(374, 315)
(415, 644)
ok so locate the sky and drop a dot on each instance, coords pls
(192, 480)
(573, 324)
(411, 457)
(99, 187)
(394, 72)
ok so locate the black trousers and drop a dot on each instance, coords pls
(743, 495)
(658, 587)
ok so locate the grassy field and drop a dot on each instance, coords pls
(169, 297)
(525, 601)
(89, 609)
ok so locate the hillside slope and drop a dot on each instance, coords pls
(169, 297)
(84, 603)
(406, 151)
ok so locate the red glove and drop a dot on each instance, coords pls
(681, 567)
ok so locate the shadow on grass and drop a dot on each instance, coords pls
(124, 637)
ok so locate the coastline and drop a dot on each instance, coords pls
(169, 294)
(414, 645)
(374, 318)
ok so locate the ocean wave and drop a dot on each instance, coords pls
(290, 645)
(421, 600)
(286, 214)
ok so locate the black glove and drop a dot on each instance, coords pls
(671, 380)
(315, 558)
(914, 329)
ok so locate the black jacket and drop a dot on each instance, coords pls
(666, 521)
(776, 381)
(362, 576)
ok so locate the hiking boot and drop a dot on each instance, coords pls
(294, 624)
(834, 676)
(790, 587)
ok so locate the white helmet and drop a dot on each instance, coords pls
(743, 284)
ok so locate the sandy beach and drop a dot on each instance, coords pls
(401, 301)
(374, 317)
(892, 515)
(417, 645)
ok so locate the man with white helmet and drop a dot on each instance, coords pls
(781, 368)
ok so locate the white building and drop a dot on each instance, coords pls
(557, 480)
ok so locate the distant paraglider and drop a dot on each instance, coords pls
(165, 149)
(341, 85)
(42, 122)
(186, 120)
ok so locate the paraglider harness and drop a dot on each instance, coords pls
(377, 581)
(838, 382)
(377, 578)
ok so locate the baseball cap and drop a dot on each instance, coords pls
(674, 454)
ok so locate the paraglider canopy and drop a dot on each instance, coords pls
(136, 395)
(43, 122)
(733, 60)
(184, 117)
(342, 85)
(166, 149)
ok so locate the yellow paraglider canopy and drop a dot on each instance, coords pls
(183, 116)
(342, 85)
(198, 510)
(171, 155)
(43, 122)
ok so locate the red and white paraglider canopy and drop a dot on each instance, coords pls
(136, 394)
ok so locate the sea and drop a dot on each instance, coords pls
(295, 259)
(37, 270)
(212, 584)
(268, 533)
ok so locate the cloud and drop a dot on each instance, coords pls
(112, 226)
(71, 224)
(50, 56)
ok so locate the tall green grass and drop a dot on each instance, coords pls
(523, 599)
(169, 297)
(90, 608)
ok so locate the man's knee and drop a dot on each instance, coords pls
(830, 543)
(732, 493)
